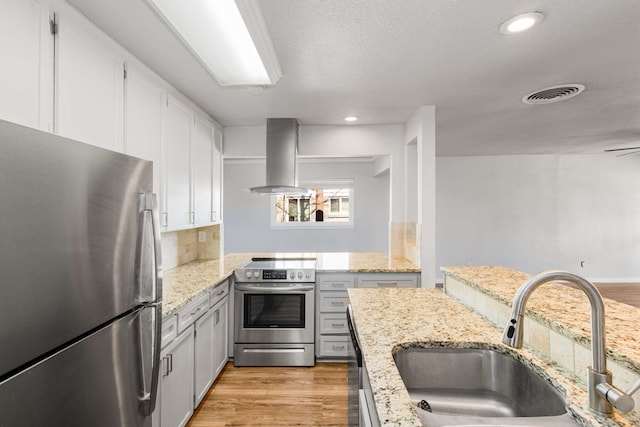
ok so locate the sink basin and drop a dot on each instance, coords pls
(464, 386)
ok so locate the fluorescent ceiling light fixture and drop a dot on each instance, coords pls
(522, 22)
(351, 119)
(228, 37)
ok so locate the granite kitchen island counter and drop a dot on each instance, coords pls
(182, 284)
(391, 319)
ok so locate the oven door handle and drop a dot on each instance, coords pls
(279, 289)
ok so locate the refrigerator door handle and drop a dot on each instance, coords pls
(152, 204)
(150, 396)
(149, 271)
(150, 298)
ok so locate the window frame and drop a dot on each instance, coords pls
(318, 184)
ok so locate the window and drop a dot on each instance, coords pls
(325, 205)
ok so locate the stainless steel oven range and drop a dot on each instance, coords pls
(275, 313)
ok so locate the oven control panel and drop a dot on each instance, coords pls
(247, 275)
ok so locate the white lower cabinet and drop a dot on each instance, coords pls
(176, 381)
(220, 334)
(194, 342)
(367, 407)
(332, 332)
(210, 346)
(332, 300)
(204, 370)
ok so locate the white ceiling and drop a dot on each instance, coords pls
(381, 59)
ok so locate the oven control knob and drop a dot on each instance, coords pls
(299, 274)
(307, 275)
(248, 274)
(292, 275)
(256, 274)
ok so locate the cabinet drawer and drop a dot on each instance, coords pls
(190, 312)
(169, 330)
(388, 280)
(333, 323)
(334, 345)
(333, 301)
(336, 282)
(218, 293)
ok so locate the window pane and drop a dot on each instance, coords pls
(304, 207)
(322, 205)
(293, 209)
(344, 208)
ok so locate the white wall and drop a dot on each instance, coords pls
(534, 213)
(247, 215)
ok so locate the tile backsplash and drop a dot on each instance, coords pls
(181, 247)
(404, 241)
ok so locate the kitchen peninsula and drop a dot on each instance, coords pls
(391, 319)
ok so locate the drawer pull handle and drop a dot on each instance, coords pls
(338, 285)
(337, 303)
(387, 283)
(196, 312)
(338, 325)
(338, 347)
(220, 293)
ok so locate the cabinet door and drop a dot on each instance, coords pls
(177, 180)
(204, 368)
(220, 335)
(202, 172)
(26, 77)
(89, 85)
(217, 176)
(145, 109)
(176, 400)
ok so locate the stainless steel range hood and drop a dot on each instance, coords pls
(282, 158)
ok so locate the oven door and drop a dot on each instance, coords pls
(274, 313)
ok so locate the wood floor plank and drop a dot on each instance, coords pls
(276, 396)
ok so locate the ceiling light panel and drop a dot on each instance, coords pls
(218, 33)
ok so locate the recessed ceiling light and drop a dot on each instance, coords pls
(522, 22)
(351, 118)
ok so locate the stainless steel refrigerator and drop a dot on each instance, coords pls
(80, 284)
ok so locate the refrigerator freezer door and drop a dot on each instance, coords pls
(92, 383)
(68, 240)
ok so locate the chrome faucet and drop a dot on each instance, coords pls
(603, 396)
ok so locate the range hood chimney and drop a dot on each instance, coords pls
(282, 158)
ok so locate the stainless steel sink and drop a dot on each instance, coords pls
(466, 386)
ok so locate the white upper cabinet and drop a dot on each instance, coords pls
(145, 110)
(178, 166)
(74, 80)
(193, 166)
(202, 144)
(26, 75)
(89, 84)
(217, 176)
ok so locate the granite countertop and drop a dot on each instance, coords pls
(391, 319)
(182, 284)
(563, 309)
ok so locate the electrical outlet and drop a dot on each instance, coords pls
(202, 236)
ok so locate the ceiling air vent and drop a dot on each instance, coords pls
(553, 94)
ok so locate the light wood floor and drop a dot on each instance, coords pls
(628, 293)
(267, 396)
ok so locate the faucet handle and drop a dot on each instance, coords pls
(622, 401)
